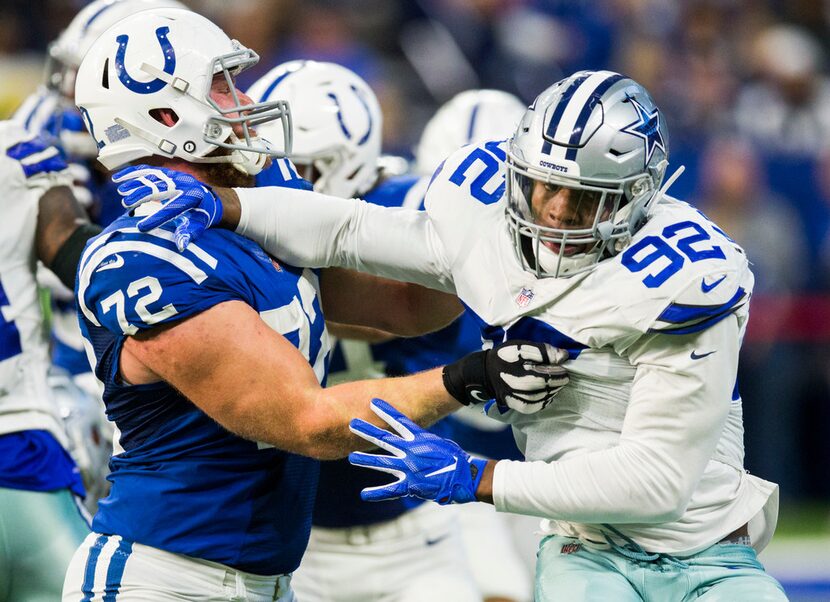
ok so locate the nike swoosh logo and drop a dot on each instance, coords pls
(478, 396)
(432, 542)
(446, 469)
(115, 264)
(695, 356)
(708, 287)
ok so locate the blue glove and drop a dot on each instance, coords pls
(187, 202)
(427, 466)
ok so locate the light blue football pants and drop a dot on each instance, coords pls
(39, 532)
(567, 571)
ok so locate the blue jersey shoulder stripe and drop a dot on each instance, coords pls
(27, 148)
(50, 161)
(50, 165)
(699, 317)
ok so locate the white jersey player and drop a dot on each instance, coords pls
(568, 238)
(40, 519)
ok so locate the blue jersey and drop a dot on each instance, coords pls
(181, 482)
(339, 503)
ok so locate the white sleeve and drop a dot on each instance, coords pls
(676, 414)
(310, 229)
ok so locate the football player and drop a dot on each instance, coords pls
(50, 111)
(42, 520)
(564, 234)
(212, 359)
(411, 548)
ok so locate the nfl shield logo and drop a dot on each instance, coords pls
(525, 297)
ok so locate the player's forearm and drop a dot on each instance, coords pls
(62, 232)
(314, 230)
(422, 397)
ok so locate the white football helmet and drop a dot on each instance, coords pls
(167, 59)
(468, 118)
(64, 55)
(337, 123)
(599, 134)
(87, 431)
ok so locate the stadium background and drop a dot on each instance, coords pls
(745, 90)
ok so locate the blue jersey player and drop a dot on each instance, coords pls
(411, 548)
(213, 359)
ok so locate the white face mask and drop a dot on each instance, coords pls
(248, 162)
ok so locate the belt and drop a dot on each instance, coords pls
(739, 536)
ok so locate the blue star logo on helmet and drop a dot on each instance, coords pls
(647, 127)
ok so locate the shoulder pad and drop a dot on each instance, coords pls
(689, 274)
(31, 160)
(473, 174)
(130, 281)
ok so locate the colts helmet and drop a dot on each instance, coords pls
(468, 118)
(167, 59)
(337, 123)
(600, 134)
(63, 57)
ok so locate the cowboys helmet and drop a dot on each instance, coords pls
(468, 118)
(599, 136)
(337, 123)
(166, 60)
(88, 433)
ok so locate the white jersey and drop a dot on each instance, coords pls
(27, 169)
(648, 434)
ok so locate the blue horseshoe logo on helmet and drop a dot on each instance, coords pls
(343, 127)
(151, 86)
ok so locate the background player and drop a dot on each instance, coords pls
(412, 550)
(51, 112)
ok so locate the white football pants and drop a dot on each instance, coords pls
(417, 557)
(108, 568)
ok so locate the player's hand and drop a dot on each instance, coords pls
(426, 465)
(520, 375)
(186, 201)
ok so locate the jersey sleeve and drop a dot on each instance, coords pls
(130, 285)
(310, 229)
(465, 195)
(679, 404)
(31, 162)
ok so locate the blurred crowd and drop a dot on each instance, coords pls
(743, 85)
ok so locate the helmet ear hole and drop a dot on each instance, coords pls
(166, 117)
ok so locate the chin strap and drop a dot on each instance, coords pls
(666, 185)
(605, 229)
